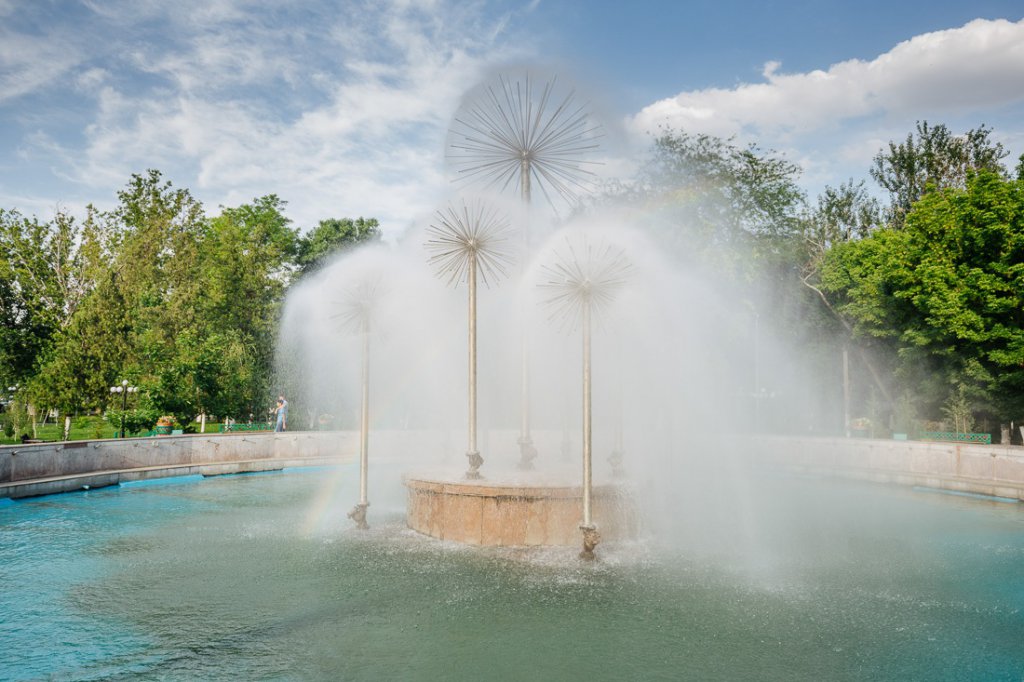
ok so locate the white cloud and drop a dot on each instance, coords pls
(975, 67)
(28, 64)
(341, 118)
(833, 121)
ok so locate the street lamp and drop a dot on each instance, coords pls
(124, 389)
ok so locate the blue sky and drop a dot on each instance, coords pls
(341, 108)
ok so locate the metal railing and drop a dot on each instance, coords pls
(958, 437)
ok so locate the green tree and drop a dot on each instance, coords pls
(946, 292)
(330, 237)
(842, 215)
(42, 282)
(141, 262)
(933, 158)
(247, 265)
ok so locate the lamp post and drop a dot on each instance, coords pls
(124, 389)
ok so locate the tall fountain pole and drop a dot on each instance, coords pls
(580, 281)
(467, 244)
(358, 315)
(358, 513)
(475, 460)
(512, 130)
(590, 535)
(588, 449)
(527, 451)
(364, 424)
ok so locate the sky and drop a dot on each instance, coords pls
(342, 108)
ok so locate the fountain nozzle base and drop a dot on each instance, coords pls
(591, 538)
(358, 514)
(475, 460)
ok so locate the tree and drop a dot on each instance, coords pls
(246, 267)
(42, 282)
(934, 159)
(946, 292)
(841, 215)
(330, 237)
(141, 263)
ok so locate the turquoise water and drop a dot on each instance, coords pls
(262, 577)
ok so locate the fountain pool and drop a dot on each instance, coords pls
(262, 577)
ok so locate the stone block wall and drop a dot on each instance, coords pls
(996, 470)
(43, 468)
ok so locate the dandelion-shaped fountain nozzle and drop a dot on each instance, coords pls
(468, 241)
(518, 133)
(581, 277)
(470, 238)
(357, 305)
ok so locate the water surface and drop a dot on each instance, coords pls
(262, 577)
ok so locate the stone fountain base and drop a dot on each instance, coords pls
(521, 510)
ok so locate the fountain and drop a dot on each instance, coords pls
(739, 569)
(581, 283)
(514, 134)
(466, 244)
(356, 316)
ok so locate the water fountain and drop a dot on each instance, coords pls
(515, 133)
(357, 316)
(582, 281)
(739, 571)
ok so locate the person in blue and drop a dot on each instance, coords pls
(282, 414)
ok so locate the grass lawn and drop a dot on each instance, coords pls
(82, 428)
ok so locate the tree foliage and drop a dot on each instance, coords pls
(946, 292)
(183, 306)
(43, 279)
(332, 236)
(935, 159)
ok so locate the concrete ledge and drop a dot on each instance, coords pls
(994, 470)
(47, 468)
(101, 479)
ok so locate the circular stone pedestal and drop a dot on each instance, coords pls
(521, 511)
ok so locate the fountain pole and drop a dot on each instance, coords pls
(513, 130)
(527, 450)
(475, 460)
(579, 282)
(467, 245)
(359, 313)
(358, 513)
(590, 535)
